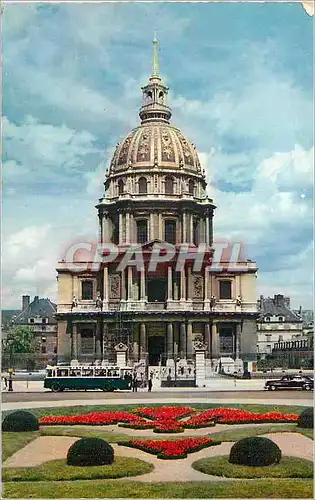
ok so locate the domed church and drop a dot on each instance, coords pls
(155, 196)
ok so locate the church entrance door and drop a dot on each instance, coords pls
(156, 348)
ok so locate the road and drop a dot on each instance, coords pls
(300, 397)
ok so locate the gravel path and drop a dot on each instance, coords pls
(47, 448)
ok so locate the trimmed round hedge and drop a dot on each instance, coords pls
(306, 418)
(20, 421)
(90, 451)
(255, 451)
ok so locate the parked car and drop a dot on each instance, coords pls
(290, 382)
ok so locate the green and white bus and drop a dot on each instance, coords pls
(108, 378)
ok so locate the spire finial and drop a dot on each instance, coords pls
(155, 60)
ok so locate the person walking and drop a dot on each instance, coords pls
(134, 384)
(150, 384)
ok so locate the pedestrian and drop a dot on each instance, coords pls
(135, 385)
(150, 385)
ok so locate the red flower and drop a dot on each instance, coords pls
(170, 448)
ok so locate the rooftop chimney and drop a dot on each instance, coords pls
(25, 301)
(287, 301)
(278, 300)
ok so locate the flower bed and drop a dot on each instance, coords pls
(172, 448)
(168, 419)
(106, 417)
(236, 416)
(167, 426)
(164, 412)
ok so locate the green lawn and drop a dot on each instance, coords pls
(260, 488)
(288, 467)
(14, 441)
(100, 432)
(73, 410)
(257, 430)
(58, 470)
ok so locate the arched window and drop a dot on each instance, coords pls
(87, 290)
(142, 231)
(121, 186)
(191, 187)
(169, 185)
(161, 97)
(143, 185)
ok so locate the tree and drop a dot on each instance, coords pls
(21, 342)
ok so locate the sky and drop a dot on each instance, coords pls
(240, 78)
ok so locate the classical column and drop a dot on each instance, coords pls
(207, 231)
(105, 288)
(208, 339)
(190, 284)
(74, 350)
(170, 340)
(130, 295)
(161, 237)
(151, 230)
(120, 228)
(183, 284)
(238, 340)
(184, 228)
(143, 340)
(215, 341)
(127, 227)
(191, 231)
(132, 229)
(105, 353)
(123, 284)
(98, 341)
(169, 283)
(142, 284)
(189, 340)
(182, 343)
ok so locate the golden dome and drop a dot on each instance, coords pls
(155, 144)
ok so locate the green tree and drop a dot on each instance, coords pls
(21, 339)
(20, 342)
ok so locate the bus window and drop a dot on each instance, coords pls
(109, 373)
(98, 372)
(115, 373)
(87, 372)
(62, 373)
(73, 373)
(49, 373)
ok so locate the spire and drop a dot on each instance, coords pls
(155, 59)
(154, 107)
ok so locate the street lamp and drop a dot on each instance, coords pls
(176, 360)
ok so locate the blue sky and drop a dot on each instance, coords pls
(240, 78)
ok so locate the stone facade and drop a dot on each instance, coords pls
(276, 323)
(155, 192)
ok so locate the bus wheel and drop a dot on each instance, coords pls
(55, 388)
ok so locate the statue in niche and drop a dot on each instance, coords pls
(99, 302)
(212, 302)
(239, 301)
(74, 302)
